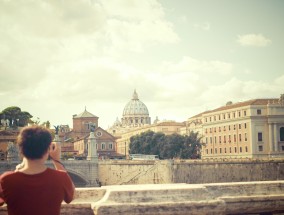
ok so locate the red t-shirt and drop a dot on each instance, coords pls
(38, 194)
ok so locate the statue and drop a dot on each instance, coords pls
(92, 127)
(12, 152)
(56, 129)
(281, 99)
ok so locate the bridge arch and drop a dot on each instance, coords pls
(78, 179)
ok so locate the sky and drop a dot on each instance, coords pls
(183, 57)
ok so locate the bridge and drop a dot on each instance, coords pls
(84, 173)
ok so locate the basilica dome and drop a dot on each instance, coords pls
(135, 112)
(135, 107)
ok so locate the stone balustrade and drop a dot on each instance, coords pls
(266, 197)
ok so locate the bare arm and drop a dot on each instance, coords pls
(54, 153)
(55, 156)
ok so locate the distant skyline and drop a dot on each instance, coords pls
(182, 57)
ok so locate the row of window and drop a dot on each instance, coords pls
(223, 116)
(224, 128)
(103, 146)
(226, 151)
(225, 140)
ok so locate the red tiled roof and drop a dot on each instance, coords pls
(239, 104)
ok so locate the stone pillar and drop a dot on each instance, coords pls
(92, 150)
(58, 143)
(271, 134)
(275, 138)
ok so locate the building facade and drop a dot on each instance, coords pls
(166, 127)
(135, 114)
(250, 129)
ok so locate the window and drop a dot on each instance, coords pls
(260, 148)
(215, 151)
(245, 113)
(224, 128)
(206, 140)
(259, 136)
(229, 138)
(246, 138)
(240, 137)
(230, 150)
(206, 119)
(220, 150)
(219, 129)
(229, 115)
(215, 139)
(211, 150)
(210, 118)
(110, 145)
(246, 149)
(206, 151)
(229, 128)
(211, 140)
(225, 150)
(240, 126)
(219, 117)
(210, 130)
(235, 138)
(234, 115)
(282, 134)
(239, 113)
(215, 129)
(241, 149)
(224, 139)
(214, 118)
(103, 145)
(234, 127)
(206, 131)
(245, 125)
(219, 139)
(258, 111)
(235, 149)
(224, 117)
(282, 147)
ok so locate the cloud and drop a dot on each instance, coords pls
(253, 40)
(40, 37)
(205, 26)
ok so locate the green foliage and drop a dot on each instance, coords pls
(15, 115)
(166, 146)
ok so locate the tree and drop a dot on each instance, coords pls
(166, 146)
(15, 116)
(24, 118)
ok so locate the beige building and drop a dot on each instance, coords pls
(250, 129)
(135, 120)
(166, 127)
(135, 114)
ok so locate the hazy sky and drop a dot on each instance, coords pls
(182, 56)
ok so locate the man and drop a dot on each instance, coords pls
(34, 189)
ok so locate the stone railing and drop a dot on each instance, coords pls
(219, 198)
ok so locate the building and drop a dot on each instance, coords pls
(83, 124)
(135, 114)
(166, 127)
(249, 129)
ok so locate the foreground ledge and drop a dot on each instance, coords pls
(218, 198)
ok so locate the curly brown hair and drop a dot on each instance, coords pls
(34, 141)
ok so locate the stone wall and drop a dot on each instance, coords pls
(180, 199)
(189, 171)
(118, 172)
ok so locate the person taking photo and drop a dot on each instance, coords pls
(33, 188)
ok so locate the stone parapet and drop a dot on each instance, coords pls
(180, 199)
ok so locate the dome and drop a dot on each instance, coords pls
(135, 113)
(135, 107)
